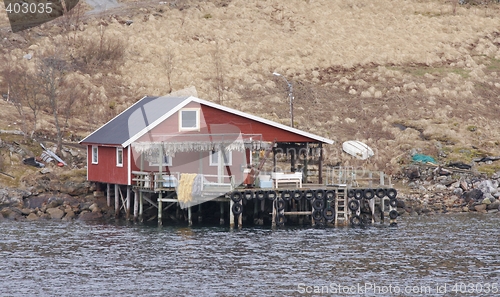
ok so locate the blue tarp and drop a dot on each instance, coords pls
(423, 159)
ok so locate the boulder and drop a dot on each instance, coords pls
(74, 189)
(480, 207)
(90, 216)
(493, 205)
(55, 213)
(10, 214)
(70, 215)
(474, 195)
(458, 191)
(440, 187)
(10, 197)
(486, 186)
(32, 217)
(486, 201)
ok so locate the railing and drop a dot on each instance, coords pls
(156, 181)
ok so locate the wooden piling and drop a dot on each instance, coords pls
(231, 215)
(160, 209)
(108, 194)
(141, 207)
(127, 203)
(273, 219)
(221, 221)
(136, 204)
(117, 201)
(190, 220)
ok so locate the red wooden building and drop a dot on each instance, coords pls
(180, 135)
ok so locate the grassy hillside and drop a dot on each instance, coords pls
(394, 74)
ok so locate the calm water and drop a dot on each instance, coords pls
(78, 259)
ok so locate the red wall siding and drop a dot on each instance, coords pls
(106, 170)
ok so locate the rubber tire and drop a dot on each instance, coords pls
(237, 209)
(380, 192)
(353, 205)
(286, 195)
(318, 204)
(368, 194)
(311, 195)
(297, 195)
(280, 219)
(350, 193)
(358, 194)
(271, 195)
(260, 195)
(317, 215)
(392, 193)
(280, 204)
(393, 202)
(366, 219)
(328, 217)
(330, 195)
(319, 194)
(248, 195)
(236, 196)
(393, 214)
(355, 221)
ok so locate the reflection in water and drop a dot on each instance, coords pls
(63, 259)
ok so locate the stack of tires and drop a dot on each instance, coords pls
(356, 198)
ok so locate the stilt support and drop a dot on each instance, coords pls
(117, 201)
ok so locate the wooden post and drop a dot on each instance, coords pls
(240, 219)
(320, 166)
(221, 221)
(274, 159)
(160, 208)
(273, 220)
(141, 207)
(108, 194)
(190, 220)
(305, 162)
(117, 202)
(381, 178)
(136, 204)
(231, 215)
(370, 176)
(127, 207)
(200, 218)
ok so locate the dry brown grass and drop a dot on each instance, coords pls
(357, 67)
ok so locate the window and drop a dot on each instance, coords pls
(167, 161)
(189, 119)
(94, 154)
(214, 158)
(119, 157)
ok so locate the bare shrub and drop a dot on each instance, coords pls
(105, 51)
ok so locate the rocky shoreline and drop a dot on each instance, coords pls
(427, 191)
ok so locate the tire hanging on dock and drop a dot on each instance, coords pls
(358, 194)
(236, 196)
(380, 192)
(392, 193)
(260, 195)
(248, 195)
(286, 195)
(393, 202)
(237, 209)
(297, 195)
(309, 195)
(350, 193)
(318, 204)
(355, 221)
(280, 204)
(319, 194)
(368, 194)
(366, 218)
(393, 214)
(329, 213)
(317, 215)
(330, 195)
(353, 205)
(271, 195)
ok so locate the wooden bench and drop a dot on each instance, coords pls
(281, 177)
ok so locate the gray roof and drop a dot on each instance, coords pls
(134, 119)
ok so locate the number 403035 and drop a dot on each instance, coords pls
(31, 8)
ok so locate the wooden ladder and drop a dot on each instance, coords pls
(341, 208)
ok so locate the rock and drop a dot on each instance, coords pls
(486, 186)
(10, 214)
(70, 215)
(493, 205)
(90, 216)
(458, 191)
(493, 211)
(94, 208)
(440, 187)
(54, 202)
(480, 207)
(73, 152)
(9, 197)
(465, 209)
(45, 170)
(474, 194)
(413, 213)
(32, 217)
(55, 213)
(74, 189)
(26, 211)
(486, 201)
(497, 194)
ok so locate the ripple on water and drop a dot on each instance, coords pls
(71, 259)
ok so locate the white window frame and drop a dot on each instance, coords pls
(118, 150)
(168, 163)
(95, 154)
(197, 128)
(229, 157)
